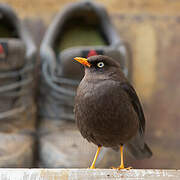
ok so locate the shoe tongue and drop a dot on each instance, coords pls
(69, 67)
(12, 53)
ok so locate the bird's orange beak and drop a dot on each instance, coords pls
(83, 61)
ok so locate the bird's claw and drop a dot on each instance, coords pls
(92, 167)
(121, 167)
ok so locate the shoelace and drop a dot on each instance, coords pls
(10, 90)
(58, 95)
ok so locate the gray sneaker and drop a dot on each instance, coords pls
(82, 29)
(17, 109)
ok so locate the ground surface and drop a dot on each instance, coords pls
(151, 29)
(87, 174)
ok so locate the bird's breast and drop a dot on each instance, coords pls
(104, 113)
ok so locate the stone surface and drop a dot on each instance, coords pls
(78, 174)
(151, 29)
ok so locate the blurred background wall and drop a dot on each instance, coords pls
(152, 30)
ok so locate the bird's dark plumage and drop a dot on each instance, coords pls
(107, 109)
(136, 104)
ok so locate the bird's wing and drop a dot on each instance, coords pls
(136, 104)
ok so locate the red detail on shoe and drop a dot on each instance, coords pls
(92, 53)
(1, 49)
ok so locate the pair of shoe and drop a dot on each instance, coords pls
(82, 29)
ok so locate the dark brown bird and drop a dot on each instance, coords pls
(107, 110)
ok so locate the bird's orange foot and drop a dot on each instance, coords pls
(92, 167)
(121, 167)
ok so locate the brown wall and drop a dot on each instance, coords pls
(152, 30)
(45, 8)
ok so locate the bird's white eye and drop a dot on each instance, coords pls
(100, 64)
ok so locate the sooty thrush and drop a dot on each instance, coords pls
(107, 110)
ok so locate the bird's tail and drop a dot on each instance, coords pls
(138, 148)
(139, 152)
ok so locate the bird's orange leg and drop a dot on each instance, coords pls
(95, 158)
(122, 161)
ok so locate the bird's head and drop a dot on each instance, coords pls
(99, 64)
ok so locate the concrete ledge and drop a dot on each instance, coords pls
(86, 174)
